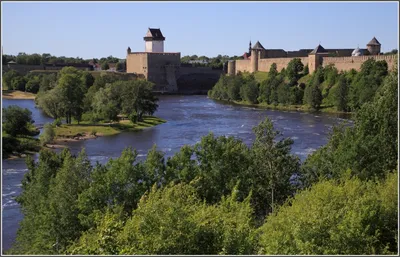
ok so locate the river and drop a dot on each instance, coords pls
(188, 119)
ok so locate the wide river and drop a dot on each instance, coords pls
(188, 119)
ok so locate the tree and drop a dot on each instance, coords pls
(341, 94)
(249, 92)
(271, 169)
(16, 120)
(119, 66)
(18, 83)
(33, 84)
(8, 78)
(331, 218)
(369, 148)
(313, 95)
(294, 67)
(88, 79)
(105, 66)
(48, 134)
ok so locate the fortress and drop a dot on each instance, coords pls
(164, 68)
(260, 59)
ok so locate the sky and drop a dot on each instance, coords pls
(100, 29)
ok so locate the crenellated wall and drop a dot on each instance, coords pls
(355, 62)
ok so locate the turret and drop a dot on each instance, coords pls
(315, 58)
(231, 67)
(255, 55)
(154, 41)
(128, 50)
(374, 47)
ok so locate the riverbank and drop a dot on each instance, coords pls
(15, 94)
(87, 130)
(279, 107)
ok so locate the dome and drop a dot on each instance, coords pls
(356, 52)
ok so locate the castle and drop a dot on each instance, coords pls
(260, 59)
(157, 66)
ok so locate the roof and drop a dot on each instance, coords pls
(154, 34)
(258, 46)
(318, 49)
(374, 42)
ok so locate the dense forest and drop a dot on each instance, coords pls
(221, 196)
(294, 86)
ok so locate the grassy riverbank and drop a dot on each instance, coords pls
(15, 94)
(86, 130)
(280, 107)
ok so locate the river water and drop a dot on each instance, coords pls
(188, 119)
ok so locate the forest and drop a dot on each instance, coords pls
(221, 196)
(326, 88)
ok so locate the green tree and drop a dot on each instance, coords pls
(294, 67)
(105, 66)
(369, 148)
(341, 94)
(8, 78)
(48, 134)
(347, 217)
(313, 95)
(18, 83)
(16, 120)
(249, 91)
(88, 79)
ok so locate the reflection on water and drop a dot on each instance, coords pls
(188, 119)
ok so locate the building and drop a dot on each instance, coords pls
(161, 68)
(261, 59)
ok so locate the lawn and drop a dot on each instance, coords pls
(86, 128)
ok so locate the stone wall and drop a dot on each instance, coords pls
(197, 79)
(137, 63)
(265, 64)
(355, 62)
(243, 65)
(160, 66)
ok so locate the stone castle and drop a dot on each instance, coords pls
(157, 66)
(260, 59)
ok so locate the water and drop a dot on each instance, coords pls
(188, 119)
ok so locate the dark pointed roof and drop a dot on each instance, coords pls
(318, 49)
(154, 34)
(258, 46)
(374, 42)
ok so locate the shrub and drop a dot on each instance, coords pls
(48, 134)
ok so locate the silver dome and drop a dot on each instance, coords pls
(356, 52)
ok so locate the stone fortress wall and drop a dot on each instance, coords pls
(341, 63)
(261, 59)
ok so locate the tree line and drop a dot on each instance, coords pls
(46, 58)
(221, 196)
(326, 87)
(75, 95)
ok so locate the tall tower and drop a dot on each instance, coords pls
(374, 47)
(315, 58)
(154, 41)
(255, 55)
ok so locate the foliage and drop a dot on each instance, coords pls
(313, 95)
(105, 66)
(16, 120)
(369, 148)
(48, 134)
(348, 217)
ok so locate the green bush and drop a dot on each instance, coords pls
(48, 134)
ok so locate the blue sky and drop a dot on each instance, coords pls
(100, 29)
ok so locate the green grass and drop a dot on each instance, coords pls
(260, 76)
(304, 79)
(86, 128)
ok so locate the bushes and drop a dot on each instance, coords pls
(48, 134)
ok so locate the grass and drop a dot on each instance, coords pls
(260, 76)
(15, 94)
(297, 107)
(86, 128)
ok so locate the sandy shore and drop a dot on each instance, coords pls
(18, 95)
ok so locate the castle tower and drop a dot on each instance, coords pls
(128, 51)
(315, 58)
(255, 55)
(374, 47)
(231, 67)
(154, 41)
